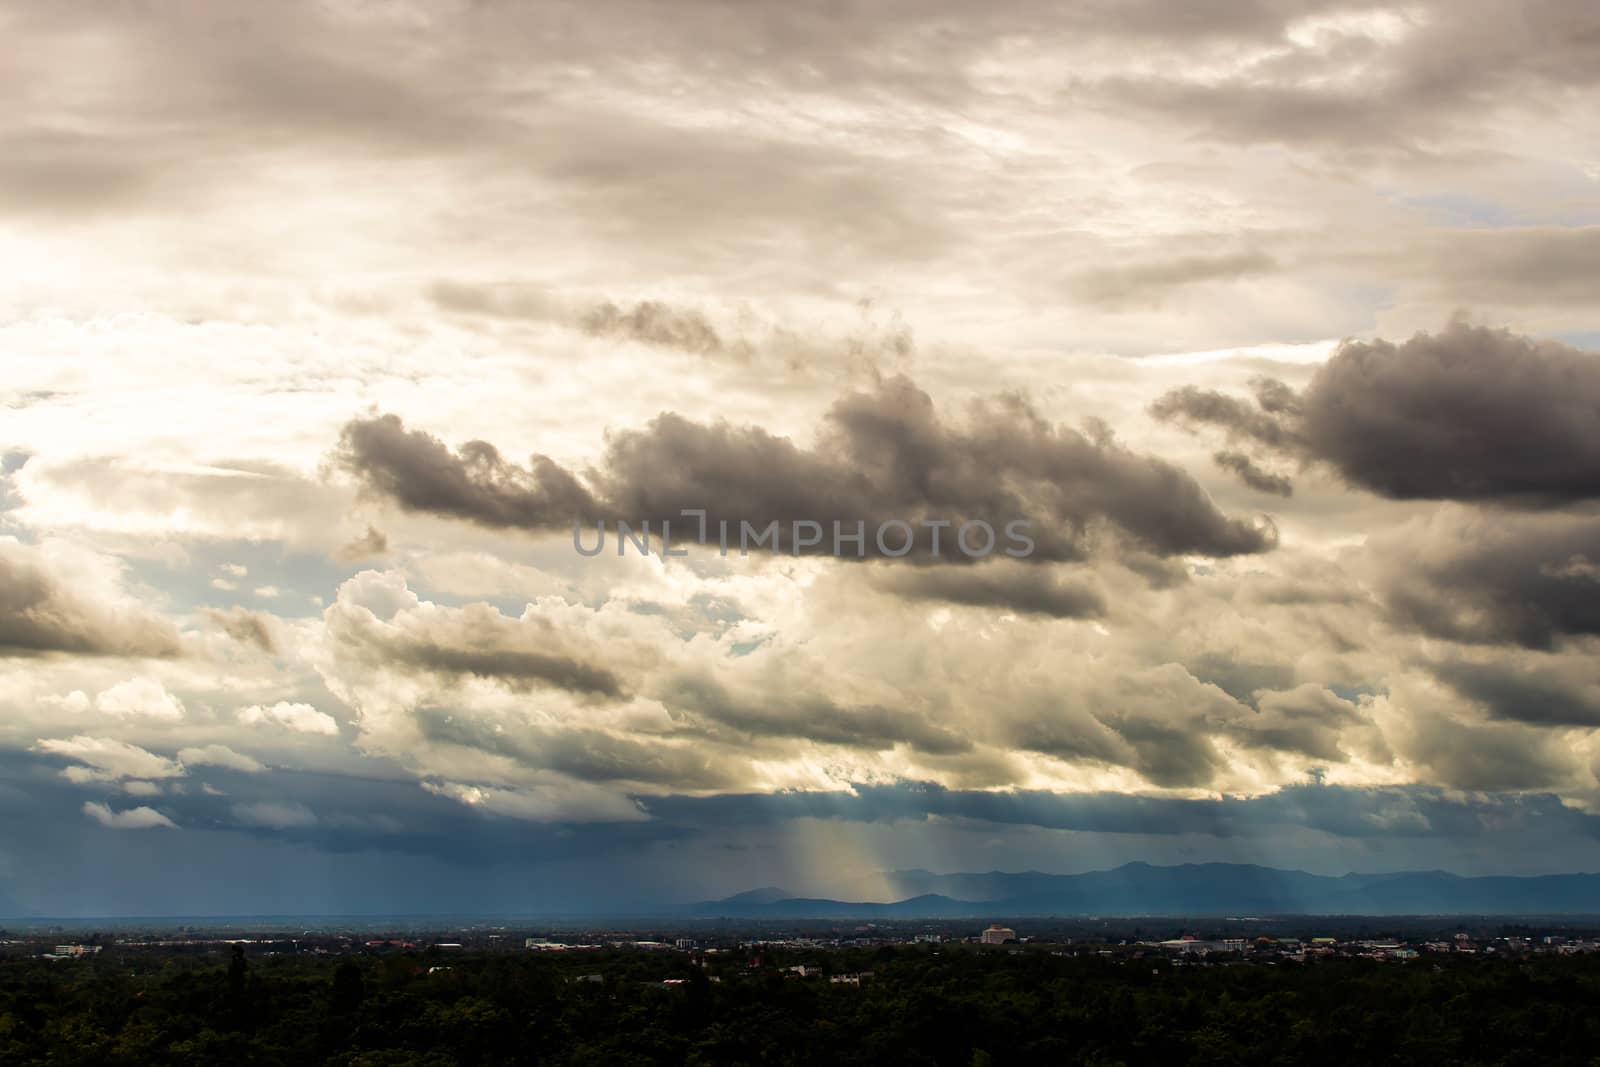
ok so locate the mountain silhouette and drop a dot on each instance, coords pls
(1199, 889)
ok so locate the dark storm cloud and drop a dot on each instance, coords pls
(1266, 423)
(1492, 577)
(257, 628)
(518, 668)
(329, 812)
(1537, 696)
(879, 456)
(1468, 413)
(997, 585)
(813, 718)
(1253, 474)
(586, 754)
(41, 613)
(1356, 813)
(420, 474)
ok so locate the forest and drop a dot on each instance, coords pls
(954, 1007)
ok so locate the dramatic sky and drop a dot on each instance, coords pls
(324, 321)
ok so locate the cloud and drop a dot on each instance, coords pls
(775, 713)
(1469, 413)
(1309, 719)
(107, 760)
(302, 718)
(275, 815)
(542, 804)
(1252, 474)
(1353, 84)
(1486, 578)
(1503, 267)
(140, 698)
(420, 474)
(220, 756)
(140, 818)
(370, 544)
(1149, 283)
(1537, 696)
(1161, 722)
(1494, 756)
(1410, 812)
(257, 628)
(654, 323)
(880, 456)
(379, 621)
(42, 612)
(997, 584)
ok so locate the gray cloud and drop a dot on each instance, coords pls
(999, 585)
(1468, 413)
(369, 544)
(1517, 266)
(1308, 720)
(654, 323)
(472, 641)
(257, 628)
(1537, 696)
(1253, 474)
(517, 667)
(1493, 756)
(879, 456)
(1406, 812)
(651, 322)
(1352, 92)
(1147, 284)
(815, 718)
(40, 612)
(586, 754)
(1491, 577)
(420, 474)
(1160, 722)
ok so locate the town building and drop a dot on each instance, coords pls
(998, 935)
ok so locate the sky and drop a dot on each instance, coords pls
(325, 322)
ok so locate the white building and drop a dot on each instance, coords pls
(998, 935)
(77, 950)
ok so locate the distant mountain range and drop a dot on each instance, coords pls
(1193, 889)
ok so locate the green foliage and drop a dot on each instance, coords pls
(954, 1008)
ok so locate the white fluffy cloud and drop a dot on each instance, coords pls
(140, 818)
(104, 759)
(302, 718)
(220, 756)
(142, 697)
